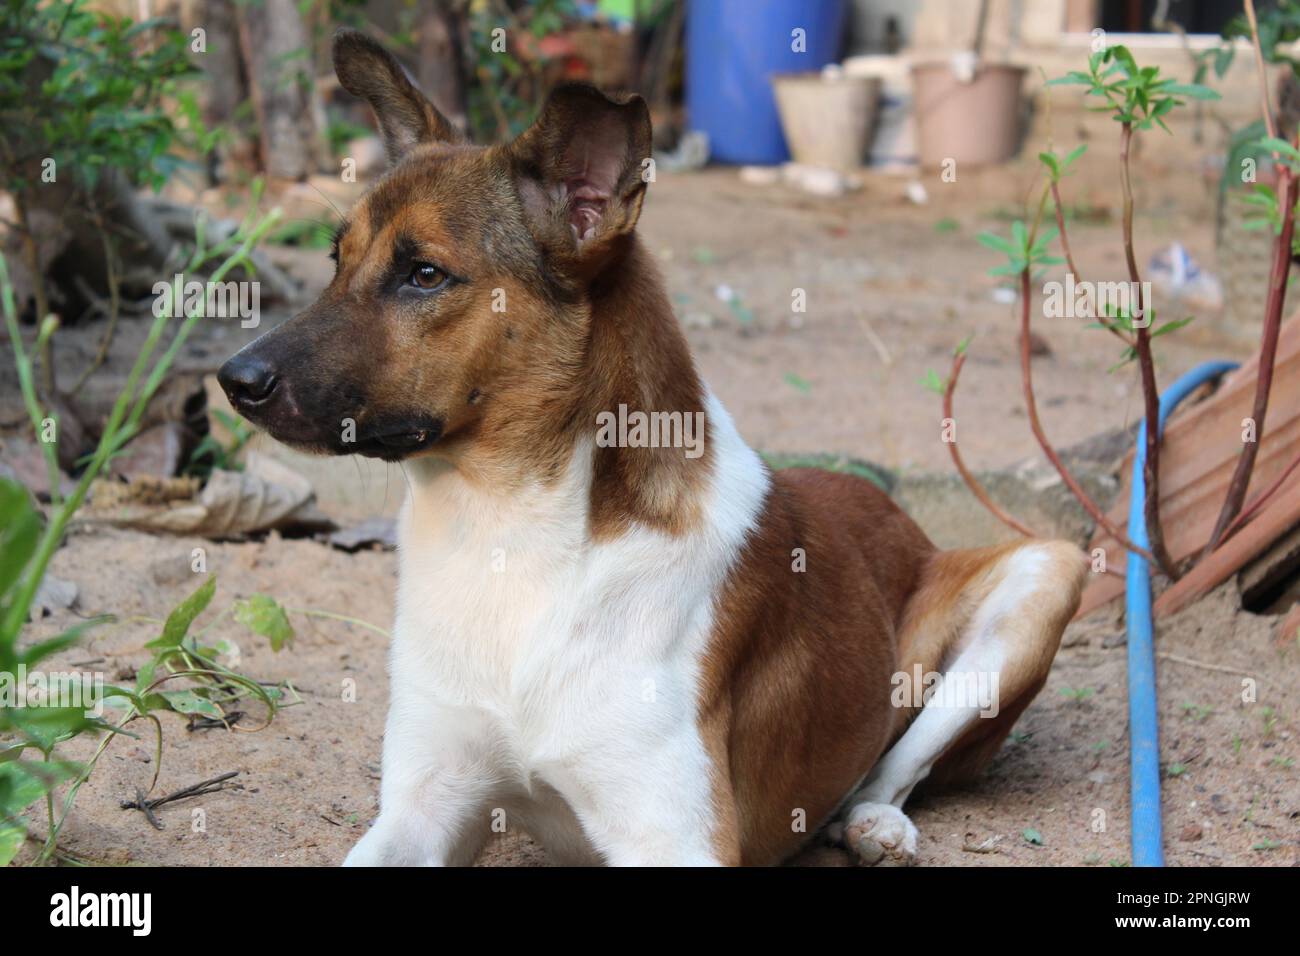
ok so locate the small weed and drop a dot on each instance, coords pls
(1077, 694)
(210, 454)
(1270, 721)
(1197, 712)
(798, 383)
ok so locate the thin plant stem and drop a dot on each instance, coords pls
(1031, 407)
(1261, 499)
(971, 482)
(1276, 303)
(1146, 369)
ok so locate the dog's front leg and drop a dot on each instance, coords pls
(662, 806)
(434, 800)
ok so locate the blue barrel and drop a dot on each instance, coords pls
(733, 47)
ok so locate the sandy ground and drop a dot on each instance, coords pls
(891, 288)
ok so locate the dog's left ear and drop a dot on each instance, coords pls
(368, 71)
(581, 170)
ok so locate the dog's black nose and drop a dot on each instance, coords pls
(247, 379)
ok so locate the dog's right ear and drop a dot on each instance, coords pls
(581, 173)
(406, 118)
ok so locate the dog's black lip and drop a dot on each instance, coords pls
(403, 439)
(397, 443)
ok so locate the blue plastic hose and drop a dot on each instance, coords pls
(1144, 738)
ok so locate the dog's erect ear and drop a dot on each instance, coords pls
(582, 171)
(370, 72)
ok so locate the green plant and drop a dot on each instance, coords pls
(1278, 26)
(505, 89)
(79, 86)
(339, 132)
(28, 548)
(1269, 716)
(1197, 712)
(210, 453)
(1138, 98)
(177, 655)
(81, 93)
(304, 233)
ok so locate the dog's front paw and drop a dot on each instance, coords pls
(880, 835)
(369, 851)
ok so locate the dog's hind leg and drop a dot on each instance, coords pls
(984, 627)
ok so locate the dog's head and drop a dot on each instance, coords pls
(462, 277)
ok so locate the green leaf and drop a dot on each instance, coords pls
(20, 527)
(23, 782)
(262, 615)
(46, 726)
(189, 702)
(1072, 155)
(992, 240)
(1275, 145)
(1173, 326)
(1192, 91)
(180, 619)
(1073, 78)
(1020, 236)
(1012, 268)
(1223, 59)
(933, 382)
(144, 677)
(11, 840)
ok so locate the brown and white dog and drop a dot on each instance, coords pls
(640, 651)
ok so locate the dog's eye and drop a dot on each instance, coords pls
(428, 277)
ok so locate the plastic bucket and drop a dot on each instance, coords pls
(976, 121)
(733, 48)
(827, 120)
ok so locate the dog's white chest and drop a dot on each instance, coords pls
(508, 618)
